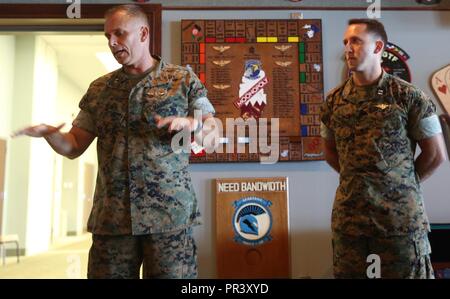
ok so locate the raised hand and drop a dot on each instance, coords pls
(41, 130)
(175, 123)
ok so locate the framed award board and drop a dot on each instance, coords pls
(258, 70)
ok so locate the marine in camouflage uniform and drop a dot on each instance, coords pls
(379, 208)
(144, 203)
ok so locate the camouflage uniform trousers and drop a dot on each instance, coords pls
(400, 256)
(164, 255)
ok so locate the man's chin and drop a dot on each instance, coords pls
(351, 67)
(122, 62)
(121, 57)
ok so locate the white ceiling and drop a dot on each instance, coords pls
(76, 56)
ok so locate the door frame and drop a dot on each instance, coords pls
(47, 13)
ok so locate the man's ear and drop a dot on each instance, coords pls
(145, 32)
(379, 46)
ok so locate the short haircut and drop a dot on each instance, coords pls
(132, 10)
(372, 26)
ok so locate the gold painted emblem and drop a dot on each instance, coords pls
(221, 49)
(283, 48)
(221, 63)
(221, 86)
(382, 106)
(283, 63)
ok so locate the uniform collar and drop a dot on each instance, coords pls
(380, 86)
(160, 66)
(120, 80)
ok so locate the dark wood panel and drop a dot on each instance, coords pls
(399, 8)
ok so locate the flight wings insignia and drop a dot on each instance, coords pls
(283, 63)
(221, 49)
(221, 62)
(221, 86)
(382, 106)
(283, 48)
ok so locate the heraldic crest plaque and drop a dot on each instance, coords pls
(252, 228)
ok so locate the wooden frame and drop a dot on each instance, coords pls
(88, 11)
(303, 8)
(283, 47)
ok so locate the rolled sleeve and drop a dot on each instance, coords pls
(85, 121)
(325, 119)
(202, 104)
(422, 119)
(427, 127)
(197, 95)
(325, 132)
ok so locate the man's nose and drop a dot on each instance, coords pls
(112, 42)
(348, 48)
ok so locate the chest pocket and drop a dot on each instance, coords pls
(343, 123)
(385, 132)
(112, 117)
(369, 135)
(164, 100)
(385, 117)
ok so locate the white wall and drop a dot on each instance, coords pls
(66, 110)
(423, 35)
(7, 48)
(18, 162)
(72, 201)
(40, 193)
(34, 178)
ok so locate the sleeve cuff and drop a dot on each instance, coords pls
(428, 127)
(325, 132)
(202, 104)
(84, 121)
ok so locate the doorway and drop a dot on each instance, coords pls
(42, 37)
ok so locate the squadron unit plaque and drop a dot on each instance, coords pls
(260, 72)
(252, 224)
(394, 62)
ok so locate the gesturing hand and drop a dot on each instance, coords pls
(175, 123)
(41, 130)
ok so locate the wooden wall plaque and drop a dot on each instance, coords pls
(440, 82)
(252, 228)
(260, 69)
